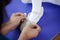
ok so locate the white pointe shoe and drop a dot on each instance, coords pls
(35, 15)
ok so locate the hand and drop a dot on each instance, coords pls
(30, 31)
(12, 24)
(16, 18)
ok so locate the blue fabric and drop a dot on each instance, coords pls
(49, 23)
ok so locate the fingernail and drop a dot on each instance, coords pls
(25, 14)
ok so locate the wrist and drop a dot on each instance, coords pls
(11, 23)
(23, 37)
(6, 27)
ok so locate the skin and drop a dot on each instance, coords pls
(29, 32)
(13, 22)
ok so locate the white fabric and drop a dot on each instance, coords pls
(32, 18)
(25, 23)
(26, 1)
(57, 2)
(37, 11)
(35, 15)
(36, 5)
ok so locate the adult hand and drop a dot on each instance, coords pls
(16, 18)
(12, 24)
(29, 32)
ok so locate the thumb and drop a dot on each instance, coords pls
(36, 27)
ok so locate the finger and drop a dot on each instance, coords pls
(25, 14)
(18, 14)
(22, 18)
(21, 14)
(33, 26)
(36, 27)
